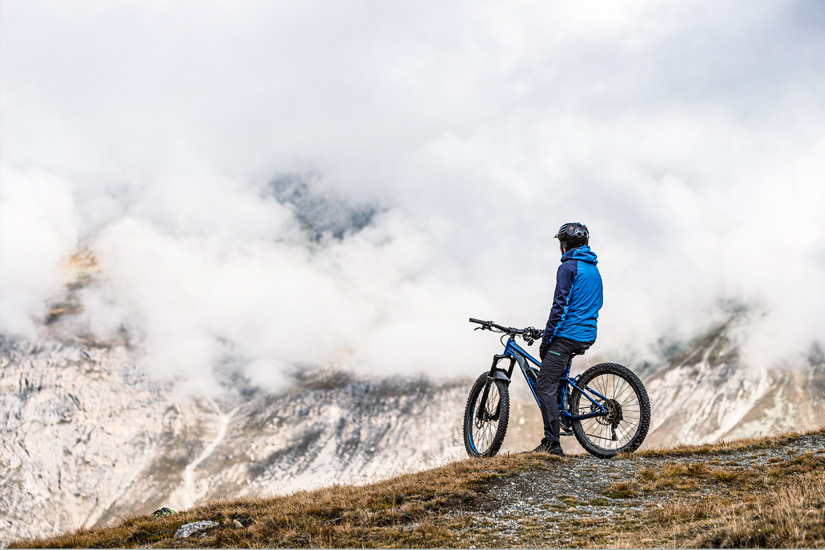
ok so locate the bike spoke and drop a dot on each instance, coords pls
(624, 386)
(601, 385)
(624, 433)
(631, 399)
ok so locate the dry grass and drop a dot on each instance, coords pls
(621, 489)
(400, 512)
(723, 507)
(728, 447)
(792, 517)
(726, 476)
(668, 500)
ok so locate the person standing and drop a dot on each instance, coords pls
(571, 327)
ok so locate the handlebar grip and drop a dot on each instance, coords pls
(479, 321)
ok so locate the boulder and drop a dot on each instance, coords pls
(191, 528)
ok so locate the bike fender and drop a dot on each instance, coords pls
(499, 375)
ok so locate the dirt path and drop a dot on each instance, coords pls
(584, 493)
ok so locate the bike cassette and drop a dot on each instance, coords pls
(613, 417)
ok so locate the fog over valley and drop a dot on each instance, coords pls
(155, 136)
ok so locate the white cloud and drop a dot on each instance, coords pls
(38, 233)
(687, 137)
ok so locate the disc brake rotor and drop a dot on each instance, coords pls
(614, 413)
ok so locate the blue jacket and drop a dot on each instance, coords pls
(578, 298)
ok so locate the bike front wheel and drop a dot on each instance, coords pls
(623, 396)
(485, 424)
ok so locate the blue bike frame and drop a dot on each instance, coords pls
(517, 354)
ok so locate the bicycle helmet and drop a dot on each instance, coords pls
(572, 235)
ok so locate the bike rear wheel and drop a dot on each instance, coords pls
(624, 427)
(484, 434)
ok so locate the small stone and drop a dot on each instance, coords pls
(237, 524)
(191, 528)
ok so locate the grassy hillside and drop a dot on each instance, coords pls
(749, 493)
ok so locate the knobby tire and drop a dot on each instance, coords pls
(484, 438)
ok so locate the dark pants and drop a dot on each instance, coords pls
(547, 384)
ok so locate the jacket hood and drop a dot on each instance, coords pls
(582, 253)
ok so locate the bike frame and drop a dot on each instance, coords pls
(517, 354)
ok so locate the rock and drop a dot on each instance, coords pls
(163, 512)
(191, 528)
(237, 524)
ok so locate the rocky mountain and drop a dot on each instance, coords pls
(88, 437)
(320, 213)
(706, 393)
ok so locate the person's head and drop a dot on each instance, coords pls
(572, 235)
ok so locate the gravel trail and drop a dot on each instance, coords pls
(585, 492)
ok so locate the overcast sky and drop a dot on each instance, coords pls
(688, 136)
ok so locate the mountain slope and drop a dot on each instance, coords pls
(706, 393)
(89, 438)
(751, 493)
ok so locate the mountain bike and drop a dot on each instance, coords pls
(606, 408)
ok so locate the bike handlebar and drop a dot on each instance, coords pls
(489, 325)
(528, 333)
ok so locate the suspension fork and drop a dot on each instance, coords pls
(495, 374)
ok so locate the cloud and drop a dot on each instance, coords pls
(38, 223)
(687, 138)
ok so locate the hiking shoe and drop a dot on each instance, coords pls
(555, 449)
(542, 448)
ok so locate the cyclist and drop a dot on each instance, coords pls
(571, 327)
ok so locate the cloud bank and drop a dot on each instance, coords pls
(686, 136)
